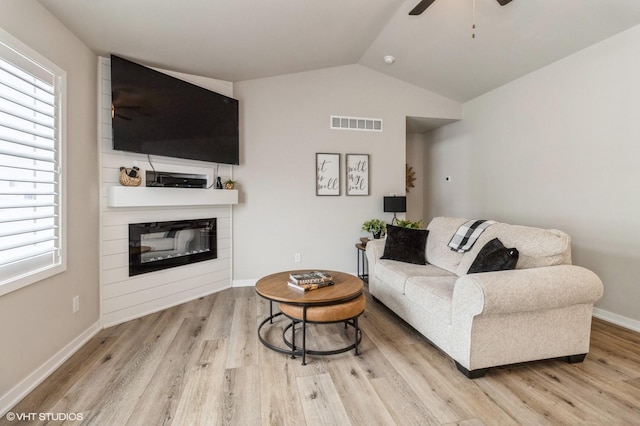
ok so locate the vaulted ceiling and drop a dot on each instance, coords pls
(237, 40)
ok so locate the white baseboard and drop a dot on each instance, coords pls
(244, 283)
(620, 320)
(152, 307)
(30, 382)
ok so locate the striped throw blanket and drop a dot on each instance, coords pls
(467, 234)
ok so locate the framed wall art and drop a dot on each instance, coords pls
(357, 171)
(327, 174)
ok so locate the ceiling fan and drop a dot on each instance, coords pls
(424, 4)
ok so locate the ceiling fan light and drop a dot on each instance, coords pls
(388, 59)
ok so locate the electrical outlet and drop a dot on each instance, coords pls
(76, 304)
(296, 257)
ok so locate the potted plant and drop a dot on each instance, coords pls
(375, 226)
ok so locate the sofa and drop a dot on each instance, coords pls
(541, 309)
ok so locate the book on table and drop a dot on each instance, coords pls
(309, 287)
(313, 277)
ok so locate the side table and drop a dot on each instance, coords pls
(363, 266)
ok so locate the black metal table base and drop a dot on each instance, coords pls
(363, 266)
(294, 350)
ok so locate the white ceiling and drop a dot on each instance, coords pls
(237, 40)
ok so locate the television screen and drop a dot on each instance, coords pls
(154, 113)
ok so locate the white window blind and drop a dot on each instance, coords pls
(30, 207)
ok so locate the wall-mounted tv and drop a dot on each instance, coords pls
(154, 113)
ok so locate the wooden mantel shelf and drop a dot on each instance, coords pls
(131, 196)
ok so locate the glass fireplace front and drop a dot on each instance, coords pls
(159, 245)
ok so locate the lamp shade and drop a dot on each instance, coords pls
(395, 204)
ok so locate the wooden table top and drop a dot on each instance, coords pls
(274, 287)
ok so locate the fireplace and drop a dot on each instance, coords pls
(160, 245)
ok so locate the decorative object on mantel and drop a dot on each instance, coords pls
(411, 177)
(327, 174)
(229, 184)
(375, 226)
(357, 170)
(218, 184)
(130, 177)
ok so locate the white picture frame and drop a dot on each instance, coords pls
(357, 174)
(327, 174)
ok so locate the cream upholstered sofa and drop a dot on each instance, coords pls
(540, 310)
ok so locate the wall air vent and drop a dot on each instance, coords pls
(356, 123)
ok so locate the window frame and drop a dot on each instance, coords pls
(13, 50)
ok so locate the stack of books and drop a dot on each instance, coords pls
(306, 281)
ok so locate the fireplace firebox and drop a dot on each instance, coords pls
(160, 245)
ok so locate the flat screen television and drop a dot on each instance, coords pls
(154, 113)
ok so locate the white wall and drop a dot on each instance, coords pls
(557, 148)
(284, 123)
(37, 326)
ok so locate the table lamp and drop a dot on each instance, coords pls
(395, 205)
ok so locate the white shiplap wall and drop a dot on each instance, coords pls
(122, 297)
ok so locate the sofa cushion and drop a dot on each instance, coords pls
(441, 229)
(432, 293)
(537, 247)
(405, 245)
(395, 274)
(494, 256)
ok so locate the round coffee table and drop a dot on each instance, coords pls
(341, 302)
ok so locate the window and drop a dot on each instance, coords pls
(31, 204)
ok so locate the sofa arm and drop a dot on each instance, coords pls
(374, 250)
(523, 290)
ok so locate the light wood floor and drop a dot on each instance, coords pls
(201, 363)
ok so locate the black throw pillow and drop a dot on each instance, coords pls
(494, 256)
(405, 245)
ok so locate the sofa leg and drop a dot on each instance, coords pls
(473, 374)
(573, 359)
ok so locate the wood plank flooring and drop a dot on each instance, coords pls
(201, 363)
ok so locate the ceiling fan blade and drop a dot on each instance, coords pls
(504, 2)
(422, 6)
